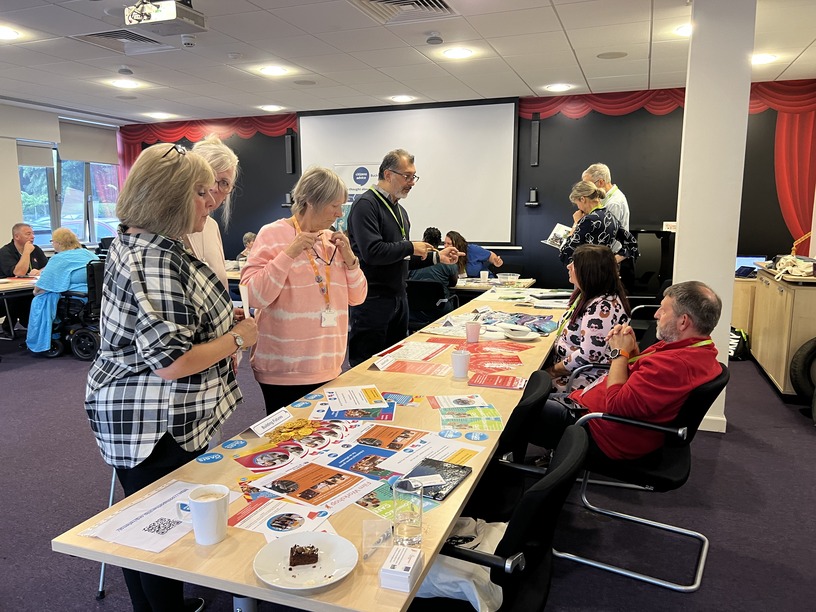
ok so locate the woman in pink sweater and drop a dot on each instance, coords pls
(302, 277)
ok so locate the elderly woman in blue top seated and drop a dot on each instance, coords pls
(476, 259)
(66, 271)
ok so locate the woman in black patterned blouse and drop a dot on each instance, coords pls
(595, 225)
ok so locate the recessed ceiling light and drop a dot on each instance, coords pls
(125, 83)
(610, 55)
(762, 58)
(160, 116)
(402, 98)
(558, 87)
(683, 30)
(271, 108)
(274, 70)
(7, 33)
(457, 53)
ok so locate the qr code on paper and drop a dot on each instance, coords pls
(161, 526)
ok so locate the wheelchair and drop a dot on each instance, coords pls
(76, 325)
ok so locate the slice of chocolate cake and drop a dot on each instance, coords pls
(302, 555)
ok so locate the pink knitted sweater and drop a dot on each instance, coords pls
(293, 348)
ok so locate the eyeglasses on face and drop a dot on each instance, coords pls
(177, 148)
(224, 186)
(411, 178)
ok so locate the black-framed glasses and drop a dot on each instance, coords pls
(411, 178)
(224, 186)
(177, 148)
(331, 259)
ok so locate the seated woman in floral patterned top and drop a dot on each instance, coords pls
(596, 306)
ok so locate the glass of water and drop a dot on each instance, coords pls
(407, 512)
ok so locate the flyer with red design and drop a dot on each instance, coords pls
(497, 381)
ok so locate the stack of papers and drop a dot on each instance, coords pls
(401, 569)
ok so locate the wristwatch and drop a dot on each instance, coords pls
(615, 353)
(239, 340)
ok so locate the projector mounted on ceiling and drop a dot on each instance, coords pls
(165, 17)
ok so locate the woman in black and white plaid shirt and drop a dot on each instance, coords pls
(163, 379)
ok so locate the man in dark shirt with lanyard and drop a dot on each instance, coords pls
(20, 257)
(379, 231)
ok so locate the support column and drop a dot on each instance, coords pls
(712, 157)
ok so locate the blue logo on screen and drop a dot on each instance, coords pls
(210, 458)
(361, 175)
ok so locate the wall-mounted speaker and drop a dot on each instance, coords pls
(534, 135)
(289, 148)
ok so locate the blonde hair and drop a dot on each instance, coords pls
(159, 192)
(585, 189)
(66, 239)
(222, 159)
(317, 187)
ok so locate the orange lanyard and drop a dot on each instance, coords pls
(324, 285)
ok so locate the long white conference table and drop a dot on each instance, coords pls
(228, 565)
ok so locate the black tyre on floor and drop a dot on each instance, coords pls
(57, 349)
(84, 344)
(803, 369)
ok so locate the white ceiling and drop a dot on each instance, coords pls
(339, 57)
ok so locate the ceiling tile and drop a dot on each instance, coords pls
(56, 20)
(516, 22)
(453, 29)
(482, 7)
(331, 63)
(530, 43)
(325, 17)
(358, 101)
(295, 46)
(367, 39)
(598, 13)
(415, 72)
(491, 65)
(611, 36)
(70, 49)
(619, 83)
(545, 61)
(356, 77)
(634, 51)
(253, 26)
(390, 57)
(616, 68)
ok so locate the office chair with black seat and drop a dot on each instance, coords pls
(427, 301)
(666, 469)
(642, 318)
(522, 561)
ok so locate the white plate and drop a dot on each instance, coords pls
(335, 560)
(513, 328)
(512, 335)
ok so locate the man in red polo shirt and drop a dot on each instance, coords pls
(650, 385)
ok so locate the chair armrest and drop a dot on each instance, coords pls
(583, 368)
(505, 463)
(681, 432)
(654, 307)
(71, 294)
(507, 564)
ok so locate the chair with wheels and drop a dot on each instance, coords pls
(666, 469)
(522, 562)
(427, 301)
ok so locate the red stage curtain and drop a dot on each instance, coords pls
(131, 137)
(657, 102)
(795, 168)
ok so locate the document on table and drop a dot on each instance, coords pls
(151, 523)
(343, 398)
(274, 517)
(413, 351)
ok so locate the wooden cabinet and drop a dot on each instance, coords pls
(742, 312)
(784, 318)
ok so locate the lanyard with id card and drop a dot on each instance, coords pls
(328, 316)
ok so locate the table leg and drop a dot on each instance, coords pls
(244, 604)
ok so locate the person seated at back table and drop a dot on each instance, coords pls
(650, 385)
(476, 259)
(596, 306)
(432, 236)
(20, 257)
(248, 240)
(445, 274)
(67, 271)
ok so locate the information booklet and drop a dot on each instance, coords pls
(439, 478)
(557, 235)
(498, 381)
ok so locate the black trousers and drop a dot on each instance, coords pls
(278, 396)
(149, 593)
(553, 419)
(375, 325)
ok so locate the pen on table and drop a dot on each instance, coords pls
(384, 537)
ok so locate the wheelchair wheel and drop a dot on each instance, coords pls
(84, 344)
(57, 349)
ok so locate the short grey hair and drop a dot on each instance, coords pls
(598, 172)
(699, 302)
(17, 227)
(222, 159)
(249, 237)
(392, 160)
(317, 187)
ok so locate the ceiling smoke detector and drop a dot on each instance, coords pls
(434, 38)
(125, 70)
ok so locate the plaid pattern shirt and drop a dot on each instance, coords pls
(158, 301)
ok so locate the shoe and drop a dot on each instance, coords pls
(194, 604)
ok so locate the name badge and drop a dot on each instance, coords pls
(328, 318)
